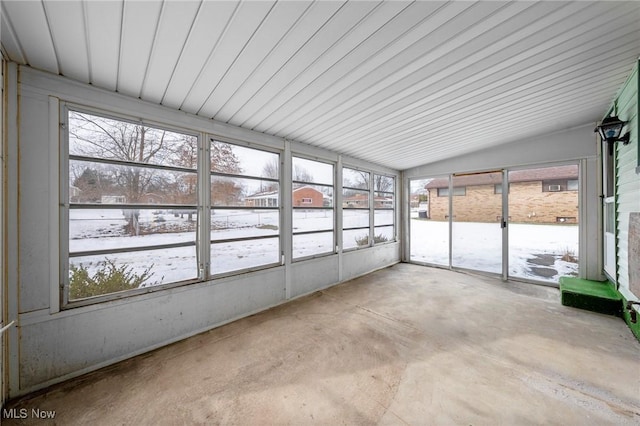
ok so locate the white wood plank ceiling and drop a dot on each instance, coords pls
(397, 83)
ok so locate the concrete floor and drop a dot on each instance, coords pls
(404, 345)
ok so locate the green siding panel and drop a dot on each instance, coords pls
(627, 181)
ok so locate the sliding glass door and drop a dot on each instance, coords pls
(543, 216)
(476, 241)
(520, 223)
(429, 222)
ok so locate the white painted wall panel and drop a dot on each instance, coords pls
(591, 230)
(69, 343)
(312, 275)
(3, 300)
(359, 262)
(35, 201)
(572, 144)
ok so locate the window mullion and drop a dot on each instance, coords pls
(64, 206)
(203, 236)
(372, 210)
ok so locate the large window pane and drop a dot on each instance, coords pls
(429, 221)
(103, 229)
(476, 231)
(245, 254)
(383, 234)
(384, 208)
(355, 199)
(113, 162)
(352, 178)
(355, 224)
(96, 275)
(383, 183)
(311, 171)
(233, 224)
(312, 220)
(243, 192)
(354, 238)
(312, 199)
(355, 218)
(306, 196)
(384, 200)
(305, 245)
(99, 183)
(383, 217)
(113, 139)
(244, 186)
(244, 161)
(543, 222)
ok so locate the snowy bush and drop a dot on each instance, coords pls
(109, 278)
(364, 240)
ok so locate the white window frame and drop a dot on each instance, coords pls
(368, 208)
(202, 206)
(392, 208)
(210, 272)
(332, 208)
(65, 109)
(609, 225)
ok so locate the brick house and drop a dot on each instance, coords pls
(304, 196)
(546, 195)
(362, 201)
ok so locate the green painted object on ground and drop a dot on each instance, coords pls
(596, 296)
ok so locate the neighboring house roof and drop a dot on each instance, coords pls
(528, 175)
(269, 194)
(257, 195)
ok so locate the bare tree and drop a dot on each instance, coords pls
(133, 147)
(225, 191)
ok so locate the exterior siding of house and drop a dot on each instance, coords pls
(309, 193)
(527, 204)
(627, 183)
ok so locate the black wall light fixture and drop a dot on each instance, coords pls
(610, 130)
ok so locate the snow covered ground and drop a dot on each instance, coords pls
(535, 251)
(104, 229)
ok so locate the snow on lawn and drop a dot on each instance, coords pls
(535, 251)
(104, 229)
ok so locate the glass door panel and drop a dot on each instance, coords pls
(543, 222)
(428, 222)
(477, 216)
